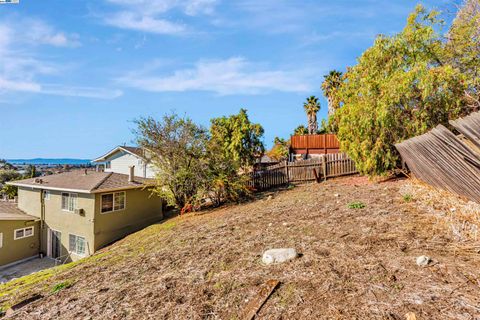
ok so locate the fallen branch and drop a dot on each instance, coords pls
(262, 296)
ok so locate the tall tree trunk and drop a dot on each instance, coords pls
(331, 108)
(312, 124)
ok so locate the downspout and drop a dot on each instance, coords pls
(42, 217)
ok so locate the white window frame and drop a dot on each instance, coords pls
(46, 194)
(76, 245)
(108, 165)
(1, 240)
(24, 232)
(75, 205)
(113, 204)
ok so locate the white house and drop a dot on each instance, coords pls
(121, 158)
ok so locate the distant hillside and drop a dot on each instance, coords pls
(47, 161)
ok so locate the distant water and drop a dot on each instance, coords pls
(49, 162)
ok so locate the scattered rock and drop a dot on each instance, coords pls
(269, 198)
(279, 255)
(336, 195)
(410, 316)
(423, 261)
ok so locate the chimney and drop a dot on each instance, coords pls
(132, 174)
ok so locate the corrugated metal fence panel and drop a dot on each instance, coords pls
(442, 160)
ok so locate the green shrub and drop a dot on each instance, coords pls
(356, 205)
(407, 197)
(60, 286)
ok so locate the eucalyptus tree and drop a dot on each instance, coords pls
(400, 88)
(463, 49)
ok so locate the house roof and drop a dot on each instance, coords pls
(136, 151)
(10, 211)
(84, 182)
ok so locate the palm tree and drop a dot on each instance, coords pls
(300, 130)
(312, 106)
(333, 81)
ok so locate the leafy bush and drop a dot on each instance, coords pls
(193, 164)
(177, 148)
(235, 144)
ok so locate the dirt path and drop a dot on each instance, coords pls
(355, 264)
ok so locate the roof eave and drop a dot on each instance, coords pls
(44, 187)
(105, 156)
(123, 188)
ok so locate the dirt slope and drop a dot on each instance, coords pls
(356, 263)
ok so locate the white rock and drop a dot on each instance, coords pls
(336, 195)
(279, 255)
(423, 261)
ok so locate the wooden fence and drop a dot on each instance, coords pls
(314, 144)
(442, 160)
(326, 166)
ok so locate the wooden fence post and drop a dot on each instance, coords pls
(286, 171)
(324, 165)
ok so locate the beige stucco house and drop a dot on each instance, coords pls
(121, 158)
(76, 213)
(18, 234)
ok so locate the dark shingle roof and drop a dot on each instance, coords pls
(84, 181)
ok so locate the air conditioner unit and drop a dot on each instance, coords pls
(80, 212)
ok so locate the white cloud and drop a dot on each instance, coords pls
(20, 69)
(224, 77)
(130, 20)
(195, 7)
(150, 15)
(40, 33)
(7, 85)
(84, 92)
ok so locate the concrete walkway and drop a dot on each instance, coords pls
(25, 268)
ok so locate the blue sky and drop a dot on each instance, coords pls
(74, 74)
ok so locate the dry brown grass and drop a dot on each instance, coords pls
(355, 264)
(461, 216)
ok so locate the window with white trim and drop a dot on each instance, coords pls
(77, 244)
(23, 233)
(113, 201)
(1, 240)
(46, 194)
(69, 201)
(108, 165)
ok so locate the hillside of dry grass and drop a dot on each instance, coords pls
(354, 264)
